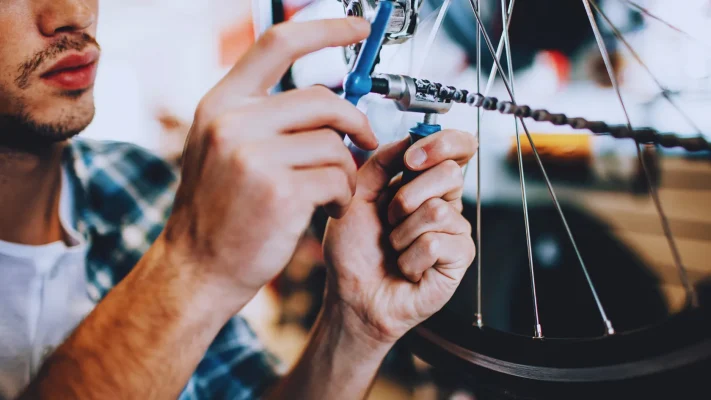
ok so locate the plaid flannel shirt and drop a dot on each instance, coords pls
(123, 196)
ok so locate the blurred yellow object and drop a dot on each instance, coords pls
(566, 148)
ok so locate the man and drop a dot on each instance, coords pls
(83, 221)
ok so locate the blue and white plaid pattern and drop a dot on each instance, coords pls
(123, 196)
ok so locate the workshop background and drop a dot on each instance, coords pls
(160, 57)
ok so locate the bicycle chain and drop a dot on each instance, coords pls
(641, 135)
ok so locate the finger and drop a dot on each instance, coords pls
(436, 215)
(312, 149)
(312, 108)
(326, 187)
(449, 255)
(457, 204)
(267, 61)
(375, 175)
(444, 180)
(444, 145)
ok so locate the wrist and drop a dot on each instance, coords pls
(339, 355)
(338, 362)
(355, 334)
(184, 277)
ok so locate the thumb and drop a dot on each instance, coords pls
(378, 171)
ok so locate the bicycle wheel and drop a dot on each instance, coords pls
(556, 304)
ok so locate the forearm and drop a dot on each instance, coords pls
(144, 340)
(335, 364)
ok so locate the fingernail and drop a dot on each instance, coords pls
(416, 157)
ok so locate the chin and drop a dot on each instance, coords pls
(71, 112)
(45, 119)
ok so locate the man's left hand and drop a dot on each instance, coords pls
(400, 252)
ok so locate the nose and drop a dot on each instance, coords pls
(61, 16)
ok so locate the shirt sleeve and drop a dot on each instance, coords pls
(235, 366)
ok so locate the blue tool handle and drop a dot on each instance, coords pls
(358, 83)
(420, 131)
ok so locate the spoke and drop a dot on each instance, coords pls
(549, 186)
(691, 294)
(606, 60)
(492, 73)
(656, 18)
(521, 175)
(499, 48)
(490, 82)
(432, 36)
(479, 314)
(412, 43)
(635, 55)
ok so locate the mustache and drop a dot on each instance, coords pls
(75, 42)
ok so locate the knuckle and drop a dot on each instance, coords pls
(335, 143)
(246, 163)
(220, 128)
(403, 265)
(348, 164)
(471, 251)
(402, 201)
(335, 184)
(467, 226)
(248, 167)
(458, 205)
(430, 244)
(276, 37)
(322, 92)
(362, 119)
(340, 176)
(471, 142)
(335, 176)
(437, 210)
(242, 160)
(394, 239)
(200, 110)
(214, 129)
(453, 170)
(213, 135)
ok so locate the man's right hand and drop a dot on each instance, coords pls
(255, 166)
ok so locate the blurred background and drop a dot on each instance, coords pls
(161, 56)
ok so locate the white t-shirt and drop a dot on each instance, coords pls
(43, 297)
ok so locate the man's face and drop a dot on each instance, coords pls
(48, 60)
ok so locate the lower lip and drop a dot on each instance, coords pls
(72, 79)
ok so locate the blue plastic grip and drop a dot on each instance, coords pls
(420, 131)
(358, 82)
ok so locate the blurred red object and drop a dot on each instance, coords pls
(561, 64)
(235, 41)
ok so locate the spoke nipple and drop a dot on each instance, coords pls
(539, 331)
(610, 329)
(479, 321)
